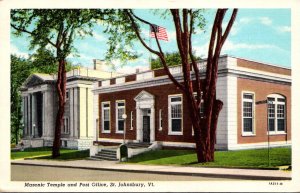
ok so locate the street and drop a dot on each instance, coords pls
(44, 173)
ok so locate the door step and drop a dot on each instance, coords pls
(106, 154)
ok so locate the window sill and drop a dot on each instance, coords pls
(119, 132)
(248, 135)
(276, 133)
(175, 133)
(105, 131)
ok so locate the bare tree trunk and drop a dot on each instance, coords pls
(213, 130)
(61, 90)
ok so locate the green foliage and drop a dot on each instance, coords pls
(20, 70)
(52, 33)
(121, 37)
(43, 61)
(55, 27)
(257, 158)
(172, 59)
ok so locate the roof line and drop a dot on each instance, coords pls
(264, 63)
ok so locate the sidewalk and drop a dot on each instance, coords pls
(251, 174)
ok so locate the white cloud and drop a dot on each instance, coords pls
(16, 51)
(234, 29)
(201, 50)
(236, 46)
(265, 20)
(171, 35)
(283, 29)
(98, 36)
(245, 20)
(231, 46)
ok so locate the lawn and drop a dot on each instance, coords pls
(45, 153)
(257, 158)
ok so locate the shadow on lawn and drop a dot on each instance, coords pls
(159, 154)
(68, 155)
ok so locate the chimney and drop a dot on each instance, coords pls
(98, 64)
(137, 70)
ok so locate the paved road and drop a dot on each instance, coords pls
(43, 173)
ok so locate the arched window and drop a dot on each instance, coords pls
(276, 113)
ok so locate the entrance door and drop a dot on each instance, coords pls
(146, 129)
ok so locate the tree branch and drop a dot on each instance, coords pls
(159, 54)
(30, 33)
(229, 26)
(196, 69)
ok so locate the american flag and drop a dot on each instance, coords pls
(161, 32)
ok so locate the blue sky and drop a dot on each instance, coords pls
(258, 34)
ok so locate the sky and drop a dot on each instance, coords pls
(262, 35)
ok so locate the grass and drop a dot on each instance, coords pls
(45, 153)
(257, 158)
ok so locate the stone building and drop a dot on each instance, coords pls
(39, 107)
(256, 110)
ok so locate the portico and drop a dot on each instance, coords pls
(145, 117)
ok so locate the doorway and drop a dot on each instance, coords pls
(146, 129)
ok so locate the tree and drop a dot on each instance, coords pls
(172, 59)
(185, 21)
(56, 29)
(42, 61)
(20, 70)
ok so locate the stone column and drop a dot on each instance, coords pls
(23, 115)
(29, 116)
(44, 110)
(76, 113)
(152, 124)
(71, 118)
(33, 115)
(139, 115)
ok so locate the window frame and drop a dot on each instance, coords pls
(276, 104)
(253, 132)
(102, 116)
(170, 132)
(66, 126)
(117, 119)
(67, 94)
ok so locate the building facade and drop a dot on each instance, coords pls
(147, 107)
(40, 105)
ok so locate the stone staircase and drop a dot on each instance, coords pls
(138, 145)
(106, 154)
(110, 153)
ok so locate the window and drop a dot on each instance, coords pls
(120, 122)
(67, 94)
(105, 117)
(175, 115)
(276, 114)
(248, 112)
(65, 129)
